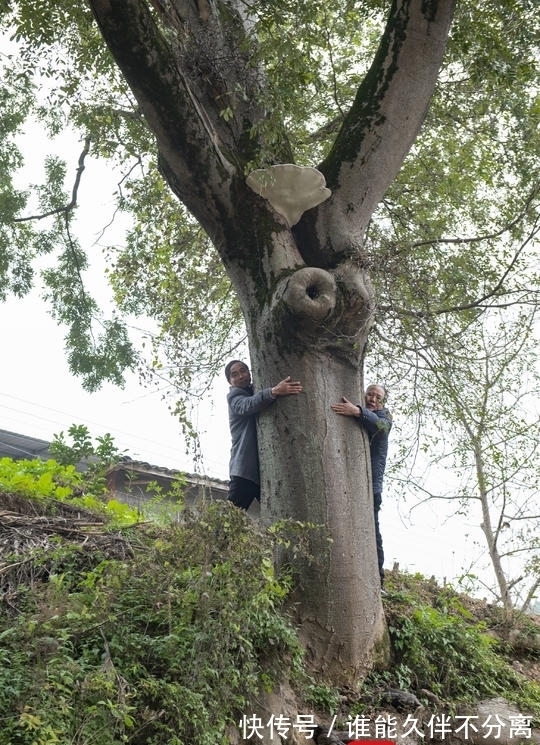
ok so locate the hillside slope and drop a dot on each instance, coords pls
(179, 634)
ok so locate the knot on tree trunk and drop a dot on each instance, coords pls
(336, 306)
(309, 294)
(357, 298)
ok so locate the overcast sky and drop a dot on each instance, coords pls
(39, 397)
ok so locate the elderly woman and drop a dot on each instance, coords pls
(244, 406)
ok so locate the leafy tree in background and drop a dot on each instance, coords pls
(94, 458)
(103, 452)
(229, 88)
(483, 388)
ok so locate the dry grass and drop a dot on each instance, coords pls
(31, 532)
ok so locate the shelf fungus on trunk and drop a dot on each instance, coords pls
(290, 189)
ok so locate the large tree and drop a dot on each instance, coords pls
(229, 88)
(301, 281)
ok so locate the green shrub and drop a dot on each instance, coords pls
(442, 649)
(165, 648)
(48, 482)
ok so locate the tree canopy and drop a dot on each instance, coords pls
(453, 233)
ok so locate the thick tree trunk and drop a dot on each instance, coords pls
(315, 470)
(315, 464)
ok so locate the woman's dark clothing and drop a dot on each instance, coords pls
(242, 492)
(377, 425)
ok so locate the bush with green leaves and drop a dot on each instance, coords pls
(439, 647)
(100, 454)
(97, 455)
(40, 479)
(49, 483)
(94, 456)
(168, 647)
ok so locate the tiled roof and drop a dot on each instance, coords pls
(17, 446)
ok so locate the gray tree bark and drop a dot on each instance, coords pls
(304, 291)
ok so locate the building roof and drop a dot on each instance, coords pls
(16, 446)
(137, 466)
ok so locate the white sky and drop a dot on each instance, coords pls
(39, 397)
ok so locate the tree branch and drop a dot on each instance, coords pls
(389, 107)
(67, 208)
(487, 236)
(494, 292)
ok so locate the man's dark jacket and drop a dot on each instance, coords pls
(244, 405)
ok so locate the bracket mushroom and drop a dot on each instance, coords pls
(290, 189)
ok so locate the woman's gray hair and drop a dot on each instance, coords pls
(379, 385)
